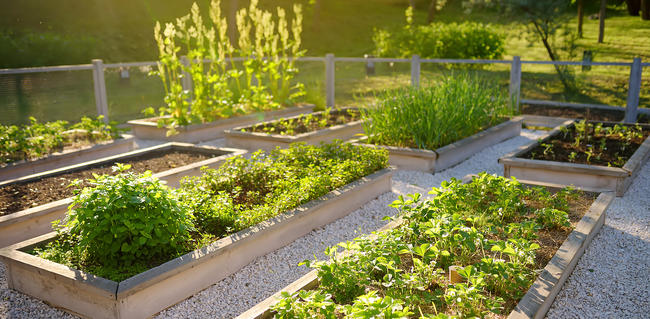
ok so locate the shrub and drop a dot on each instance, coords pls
(126, 219)
(466, 40)
(29, 48)
(244, 192)
(430, 117)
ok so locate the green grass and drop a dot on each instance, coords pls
(124, 32)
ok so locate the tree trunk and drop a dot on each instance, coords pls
(580, 16)
(633, 7)
(645, 9)
(561, 70)
(601, 16)
(432, 10)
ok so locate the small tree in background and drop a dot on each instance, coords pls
(546, 22)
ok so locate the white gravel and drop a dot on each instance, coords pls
(272, 272)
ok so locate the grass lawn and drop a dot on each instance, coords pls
(123, 30)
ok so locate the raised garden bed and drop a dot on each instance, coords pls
(151, 291)
(29, 205)
(324, 126)
(148, 128)
(449, 155)
(588, 160)
(586, 221)
(548, 113)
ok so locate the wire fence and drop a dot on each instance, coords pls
(120, 91)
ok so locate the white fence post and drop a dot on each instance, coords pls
(101, 101)
(515, 82)
(633, 91)
(415, 71)
(329, 79)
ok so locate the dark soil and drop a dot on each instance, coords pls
(589, 114)
(306, 123)
(17, 197)
(615, 153)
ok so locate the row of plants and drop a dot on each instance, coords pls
(496, 232)
(466, 40)
(456, 107)
(222, 87)
(35, 140)
(592, 143)
(127, 223)
(307, 122)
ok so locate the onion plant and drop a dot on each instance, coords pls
(458, 106)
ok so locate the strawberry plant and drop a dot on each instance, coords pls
(490, 229)
(244, 192)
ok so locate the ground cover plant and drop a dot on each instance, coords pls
(307, 122)
(496, 231)
(459, 106)
(35, 140)
(120, 225)
(592, 143)
(220, 87)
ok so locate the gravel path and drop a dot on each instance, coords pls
(270, 273)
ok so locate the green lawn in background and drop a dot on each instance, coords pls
(123, 30)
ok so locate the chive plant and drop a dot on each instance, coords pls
(458, 106)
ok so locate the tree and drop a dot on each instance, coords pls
(645, 9)
(545, 21)
(580, 17)
(601, 17)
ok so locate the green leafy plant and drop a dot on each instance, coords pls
(36, 139)
(222, 88)
(592, 143)
(487, 227)
(123, 222)
(430, 117)
(244, 192)
(307, 122)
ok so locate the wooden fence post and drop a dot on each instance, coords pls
(633, 91)
(515, 83)
(99, 83)
(415, 71)
(329, 79)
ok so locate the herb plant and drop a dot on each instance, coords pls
(222, 88)
(36, 140)
(592, 143)
(490, 229)
(120, 223)
(430, 117)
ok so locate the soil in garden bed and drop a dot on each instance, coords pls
(601, 149)
(307, 122)
(20, 196)
(589, 114)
